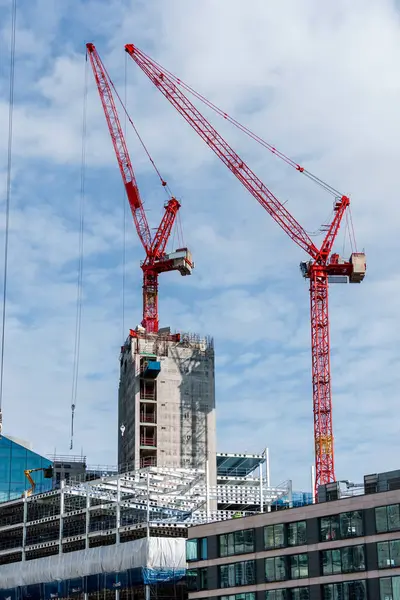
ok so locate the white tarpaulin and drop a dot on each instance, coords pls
(155, 553)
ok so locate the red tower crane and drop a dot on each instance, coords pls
(322, 267)
(156, 261)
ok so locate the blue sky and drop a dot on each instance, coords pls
(321, 84)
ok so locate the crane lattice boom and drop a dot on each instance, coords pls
(156, 261)
(322, 266)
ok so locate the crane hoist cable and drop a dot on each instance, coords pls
(8, 198)
(79, 283)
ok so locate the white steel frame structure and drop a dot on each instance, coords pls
(119, 508)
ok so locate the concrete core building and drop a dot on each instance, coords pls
(166, 410)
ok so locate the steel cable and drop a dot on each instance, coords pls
(8, 198)
(79, 295)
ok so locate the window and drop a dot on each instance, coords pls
(331, 562)
(297, 533)
(196, 549)
(240, 573)
(388, 554)
(203, 549)
(247, 596)
(352, 559)
(329, 528)
(276, 595)
(389, 588)
(351, 524)
(238, 542)
(302, 593)
(298, 566)
(202, 579)
(191, 550)
(274, 536)
(387, 518)
(345, 525)
(343, 560)
(275, 569)
(349, 590)
(191, 580)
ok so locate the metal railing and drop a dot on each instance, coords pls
(147, 418)
(147, 395)
(148, 461)
(148, 441)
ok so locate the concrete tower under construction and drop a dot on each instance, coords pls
(166, 412)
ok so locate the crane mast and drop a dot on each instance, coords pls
(319, 270)
(156, 261)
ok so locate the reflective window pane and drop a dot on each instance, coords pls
(297, 533)
(351, 524)
(381, 519)
(191, 579)
(336, 562)
(249, 540)
(388, 554)
(385, 587)
(240, 573)
(191, 550)
(269, 536)
(270, 569)
(350, 590)
(231, 544)
(274, 536)
(203, 549)
(276, 595)
(383, 555)
(280, 568)
(395, 553)
(275, 569)
(329, 528)
(298, 566)
(279, 533)
(393, 516)
(223, 545)
(202, 579)
(300, 594)
(238, 542)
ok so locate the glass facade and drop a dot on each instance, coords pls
(14, 460)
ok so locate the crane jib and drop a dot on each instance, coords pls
(318, 270)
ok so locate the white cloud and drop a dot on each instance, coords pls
(321, 84)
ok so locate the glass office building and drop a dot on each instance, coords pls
(14, 460)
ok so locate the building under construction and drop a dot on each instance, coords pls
(123, 533)
(167, 402)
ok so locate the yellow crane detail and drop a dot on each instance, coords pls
(47, 472)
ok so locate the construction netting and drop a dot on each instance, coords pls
(106, 567)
